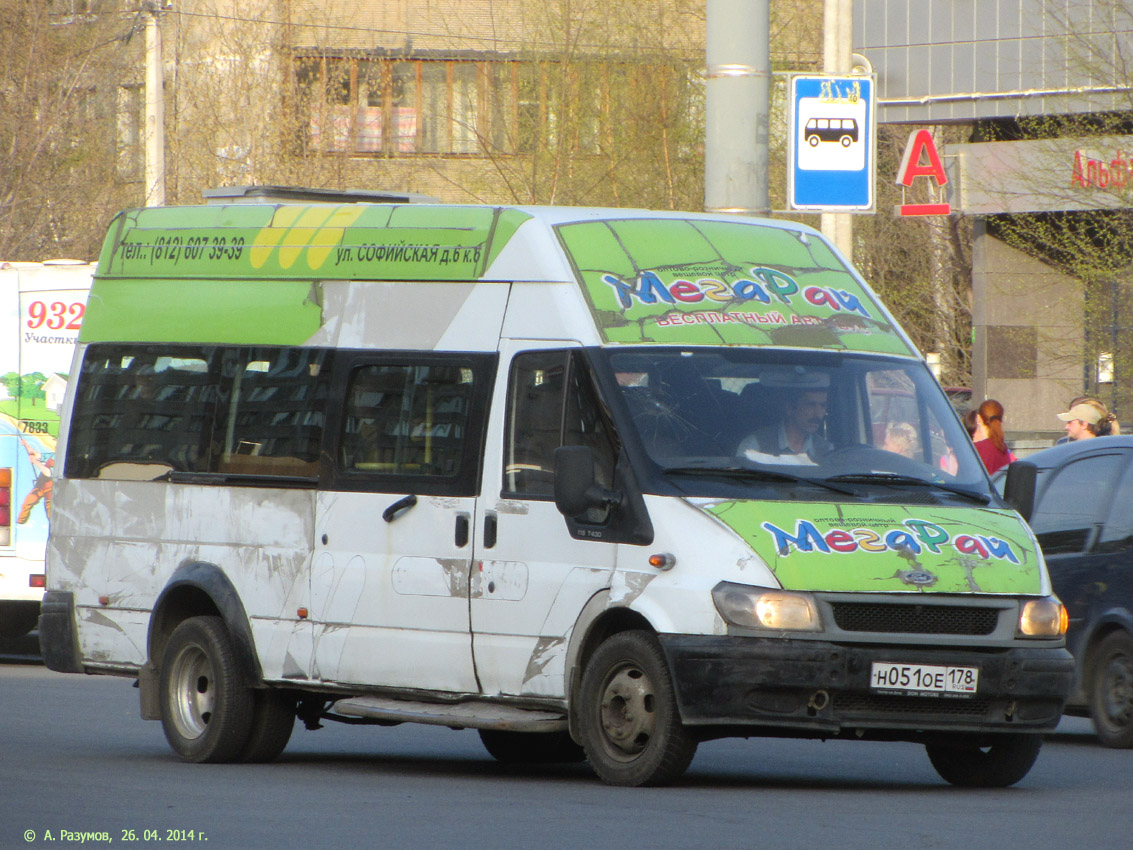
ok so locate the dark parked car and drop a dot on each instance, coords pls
(1083, 519)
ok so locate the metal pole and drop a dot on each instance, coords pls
(155, 110)
(737, 106)
(837, 50)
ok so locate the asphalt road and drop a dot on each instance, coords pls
(78, 765)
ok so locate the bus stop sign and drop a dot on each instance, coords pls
(831, 145)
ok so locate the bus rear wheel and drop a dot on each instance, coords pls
(531, 747)
(273, 720)
(206, 709)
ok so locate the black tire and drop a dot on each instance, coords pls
(1111, 690)
(1001, 761)
(628, 718)
(17, 619)
(531, 747)
(273, 719)
(206, 708)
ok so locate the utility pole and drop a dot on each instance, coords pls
(155, 108)
(737, 106)
(837, 50)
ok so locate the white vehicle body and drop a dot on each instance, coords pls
(390, 462)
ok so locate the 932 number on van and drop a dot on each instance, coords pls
(923, 679)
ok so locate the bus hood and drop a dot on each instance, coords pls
(822, 546)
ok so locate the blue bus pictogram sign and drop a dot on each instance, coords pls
(831, 144)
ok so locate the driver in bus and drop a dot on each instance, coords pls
(796, 438)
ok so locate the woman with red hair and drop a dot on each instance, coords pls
(988, 436)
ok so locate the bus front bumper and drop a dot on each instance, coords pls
(819, 689)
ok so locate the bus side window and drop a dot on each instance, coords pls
(276, 402)
(414, 425)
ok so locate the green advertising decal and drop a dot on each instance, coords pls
(886, 548)
(252, 272)
(702, 281)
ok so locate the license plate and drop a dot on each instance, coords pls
(923, 679)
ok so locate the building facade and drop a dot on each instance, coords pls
(1040, 90)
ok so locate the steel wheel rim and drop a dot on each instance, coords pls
(627, 712)
(1117, 690)
(192, 692)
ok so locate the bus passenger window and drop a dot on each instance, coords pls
(407, 419)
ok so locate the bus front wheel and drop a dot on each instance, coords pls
(629, 724)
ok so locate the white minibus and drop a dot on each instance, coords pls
(596, 483)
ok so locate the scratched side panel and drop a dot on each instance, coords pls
(122, 540)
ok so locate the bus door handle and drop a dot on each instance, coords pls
(462, 526)
(390, 513)
(490, 525)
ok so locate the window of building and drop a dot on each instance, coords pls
(445, 105)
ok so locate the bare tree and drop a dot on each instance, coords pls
(59, 185)
(921, 267)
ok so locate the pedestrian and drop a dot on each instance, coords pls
(1087, 417)
(969, 420)
(988, 436)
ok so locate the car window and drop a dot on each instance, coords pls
(1117, 535)
(1074, 504)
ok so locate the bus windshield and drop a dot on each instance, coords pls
(822, 417)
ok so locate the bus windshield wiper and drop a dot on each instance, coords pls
(747, 473)
(898, 480)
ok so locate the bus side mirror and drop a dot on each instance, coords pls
(576, 491)
(1019, 488)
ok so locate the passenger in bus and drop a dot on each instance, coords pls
(901, 438)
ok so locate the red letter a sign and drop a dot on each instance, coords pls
(921, 146)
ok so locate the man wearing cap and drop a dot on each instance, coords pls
(1081, 421)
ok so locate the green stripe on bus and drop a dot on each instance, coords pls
(265, 312)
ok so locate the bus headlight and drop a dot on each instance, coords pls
(762, 608)
(1044, 617)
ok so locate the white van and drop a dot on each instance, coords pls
(596, 483)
